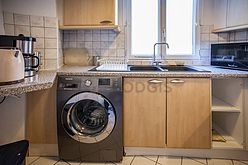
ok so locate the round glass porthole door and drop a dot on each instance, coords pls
(88, 117)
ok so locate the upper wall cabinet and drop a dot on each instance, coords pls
(220, 7)
(79, 14)
(230, 15)
(237, 13)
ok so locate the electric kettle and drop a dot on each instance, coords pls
(11, 66)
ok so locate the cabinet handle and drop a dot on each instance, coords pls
(105, 22)
(155, 81)
(177, 81)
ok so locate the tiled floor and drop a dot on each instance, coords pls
(140, 160)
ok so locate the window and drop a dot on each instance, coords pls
(144, 26)
(149, 19)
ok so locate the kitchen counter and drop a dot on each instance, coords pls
(214, 73)
(43, 80)
(46, 79)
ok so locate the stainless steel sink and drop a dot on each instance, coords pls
(181, 69)
(163, 68)
(144, 68)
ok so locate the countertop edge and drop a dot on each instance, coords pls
(46, 78)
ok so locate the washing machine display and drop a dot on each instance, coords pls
(88, 117)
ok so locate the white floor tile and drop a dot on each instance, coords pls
(219, 162)
(169, 160)
(246, 162)
(194, 161)
(87, 163)
(45, 161)
(141, 160)
(31, 159)
(235, 162)
(126, 160)
(61, 162)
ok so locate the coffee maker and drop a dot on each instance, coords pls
(26, 46)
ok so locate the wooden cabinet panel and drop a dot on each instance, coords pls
(220, 14)
(237, 13)
(41, 116)
(144, 112)
(188, 113)
(88, 12)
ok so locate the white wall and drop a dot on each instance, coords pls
(31, 7)
(1, 19)
(13, 115)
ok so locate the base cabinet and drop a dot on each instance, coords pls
(144, 112)
(188, 113)
(168, 112)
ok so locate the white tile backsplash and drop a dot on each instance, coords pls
(205, 37)
(104, 37)
(20, 19)
(44, 29)
(51, 33)
(51, 54)
(37, 32)
(50, 43)
(223, 37)
(20, 29)
(37, 21)
(9, 29)
(8, 18)
(241, 36)
(51, 22)
(40, 43)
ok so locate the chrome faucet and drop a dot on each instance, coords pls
(154, 52)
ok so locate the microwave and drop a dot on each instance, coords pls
(230, 55)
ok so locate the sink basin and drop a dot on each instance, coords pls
(144, 68)
(180, 69)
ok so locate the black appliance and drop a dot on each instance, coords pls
(230, 55)
(26, 45)
(89, 118)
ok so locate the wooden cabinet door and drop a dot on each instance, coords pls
(88, 12)
(188, 113)
(73, 12)
(237, 13)
(101, 10)
(144, 112)
(220, 12)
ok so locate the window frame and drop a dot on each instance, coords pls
(196, 35)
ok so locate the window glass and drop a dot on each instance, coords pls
(144, 26)
(148, 18)
(179, 26)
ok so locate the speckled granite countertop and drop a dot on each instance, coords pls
(214, 73)
(43, 80)
(46, 79)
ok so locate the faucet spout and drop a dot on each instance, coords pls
(154, 51)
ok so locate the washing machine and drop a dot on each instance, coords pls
(89, 118)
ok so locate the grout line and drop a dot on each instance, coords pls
(243, 162)
(144, 156)
(195, 160)
(181, 160)
(132, 160)
(157, 160)
(34, 160)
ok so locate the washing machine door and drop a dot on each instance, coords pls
(88, 117)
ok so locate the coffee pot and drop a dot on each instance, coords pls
(26, 46)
